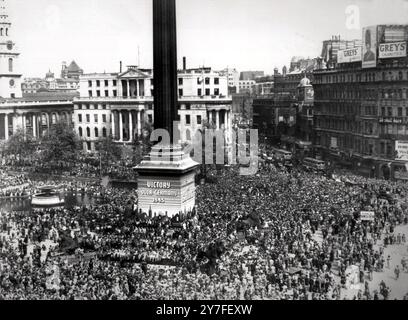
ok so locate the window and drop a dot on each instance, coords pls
(104, 134)
(207, 92)
(80, 107)
(104, 118)
(80, 131)
(180, 81)
(399, 112)
(199, 92)
(180, 92)
(106, 83)
(216, 80)
(150, 118)
(88, 107)
(104, 106)
(216, 92)
(88, 132)
(188, 119)
(199, 120)
(96, 118)
(88, 118)
(207, 80)
(188, 106)
(89, 83)
(114, 83)
(10, 63)
(96, 133)
(79, 117)
(90, 93)
(106, 93)
(98, 83)
(98, 93)
(389, 111)
(89, 146)
(115, 93)
(199, 80)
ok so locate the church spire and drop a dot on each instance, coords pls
(3, 11)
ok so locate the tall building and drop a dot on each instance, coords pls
(361, 106)
(233, 79)
(10, 78)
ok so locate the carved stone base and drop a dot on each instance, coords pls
(166, 183)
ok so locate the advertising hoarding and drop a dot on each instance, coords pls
(350, 55)
(369, 47)
(401, 148)
(393, 50)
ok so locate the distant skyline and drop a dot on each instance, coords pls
(241, 34)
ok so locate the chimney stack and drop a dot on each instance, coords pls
(120, 67)
(184, 63)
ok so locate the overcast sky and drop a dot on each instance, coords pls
(245, 34)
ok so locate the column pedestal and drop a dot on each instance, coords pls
(166, 182)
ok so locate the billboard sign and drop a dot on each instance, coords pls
(401, 148)
(333, 143)
(350, 55)
(393, 50)
(367, 215)
(370, 47)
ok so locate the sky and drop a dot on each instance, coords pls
(241, 34)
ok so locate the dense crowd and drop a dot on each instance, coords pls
(276, 235)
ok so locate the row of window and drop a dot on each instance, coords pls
(343, 109)
(364, 128)
(4, 32)
(105, 82)
(88, 107)
(348, 92)
(200, 92)
(364, 77)
(106, 93)
(207, 81)
(188, 120)
(96, 132)
(96, 118)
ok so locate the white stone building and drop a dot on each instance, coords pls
(121, 104)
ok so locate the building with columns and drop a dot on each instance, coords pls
(35, 115)
(121, 104)
(10, 78)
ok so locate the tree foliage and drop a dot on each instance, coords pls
(20, 145)
(59, 144)
(108, 150)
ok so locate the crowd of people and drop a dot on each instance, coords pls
(277, 235)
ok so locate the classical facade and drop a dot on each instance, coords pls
(35, 115)
(121, 104)
(10, 78)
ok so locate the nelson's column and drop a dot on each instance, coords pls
(166, 183)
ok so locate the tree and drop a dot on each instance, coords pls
(20, 145)
(60, 144)
(109, 151)
(142, 145)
